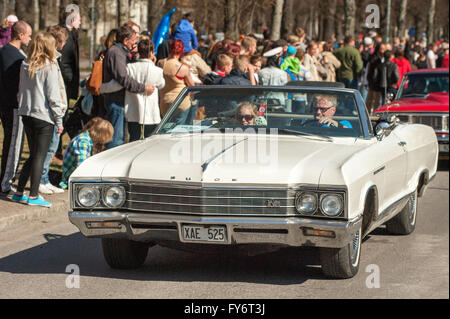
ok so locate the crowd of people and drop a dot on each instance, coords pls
(133, 84)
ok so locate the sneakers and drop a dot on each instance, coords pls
(39, 201)
(49, 189)
(43, 189)
(54, 189)
(19, 198)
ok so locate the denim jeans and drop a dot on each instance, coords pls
(116, 116)
(350, 83)
(48, 159)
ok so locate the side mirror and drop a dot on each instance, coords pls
(386, 124)
(389, 97)
(382, 130)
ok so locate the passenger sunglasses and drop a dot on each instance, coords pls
(322, 109)
(248, 118)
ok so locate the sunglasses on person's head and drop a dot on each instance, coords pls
(247, 117)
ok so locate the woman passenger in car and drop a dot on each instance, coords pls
(246, 113)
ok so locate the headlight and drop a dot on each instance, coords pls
(306, 203)
(331, 205)
(88, 196)
(114, 196)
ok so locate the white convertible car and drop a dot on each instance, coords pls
(257, 167)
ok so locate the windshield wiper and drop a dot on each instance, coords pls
(322, 137)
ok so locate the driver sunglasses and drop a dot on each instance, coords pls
(322, 109)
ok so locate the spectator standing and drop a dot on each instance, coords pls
(272, 74)
(445, 54)
(300, 32)
(403, 65)
(186, 33)
(351, 63)
(70, 62)
(45, 187)
(5, 29)
(96, 133)
(40, 106)
(256, 63)
(421, 62)
(374, 78)
(11, 58)
(248, 46)
(312, 62)
(141, 111)
(389, 75)
(115, 68)
(176, 75)
(241, 74)
(197, 65)
(432, 56)
(224, 65)
(291, 63)
(331, 63)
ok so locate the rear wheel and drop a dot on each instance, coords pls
(404, 222)
(342, 262)
(124, 253)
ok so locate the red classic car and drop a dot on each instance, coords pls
(423, 98)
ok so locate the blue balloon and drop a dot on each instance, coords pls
(162, 31)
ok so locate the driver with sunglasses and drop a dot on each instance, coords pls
(324, 110)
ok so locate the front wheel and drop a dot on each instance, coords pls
(404, 222)
(124, 253)
(342, 263)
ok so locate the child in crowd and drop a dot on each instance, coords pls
(96, 133)
(291, 64)
(224, 65)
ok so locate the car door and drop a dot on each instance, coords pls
(395, 164)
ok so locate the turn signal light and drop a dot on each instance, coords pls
(319, 233)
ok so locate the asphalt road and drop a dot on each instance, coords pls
(34, 262)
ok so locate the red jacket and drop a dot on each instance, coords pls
(445, 62)
(403, 67)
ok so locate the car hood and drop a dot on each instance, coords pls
(220, 159)
(433, 102)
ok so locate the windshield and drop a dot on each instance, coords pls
(324, 113)
(419, 85)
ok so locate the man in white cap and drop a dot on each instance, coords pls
(5, 29)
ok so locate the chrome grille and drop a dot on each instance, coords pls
(198, 200)
(438, 122)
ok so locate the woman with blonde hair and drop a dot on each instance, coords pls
(96, 134)
(41, 108)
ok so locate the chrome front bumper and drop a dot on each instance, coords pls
(291, 231)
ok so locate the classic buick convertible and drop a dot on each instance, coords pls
(252, 167)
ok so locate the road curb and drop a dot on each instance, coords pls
(13, 214)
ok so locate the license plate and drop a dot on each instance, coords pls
(204, 233)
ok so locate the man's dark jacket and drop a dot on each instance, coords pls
(10, 62)
(115, 68)
(70, 64)
(236, 77)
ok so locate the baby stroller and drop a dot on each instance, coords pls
(80, 113)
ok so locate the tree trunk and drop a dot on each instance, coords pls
(349, 9)
(430, 21)
(124, 10)
(230, 20)
(276, 20)
(401, 18)
(155, 13)
(329, 21)
(288, 18)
